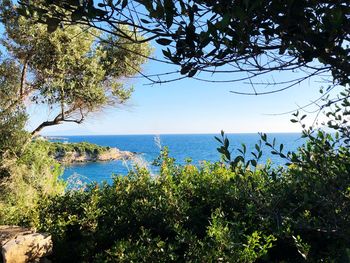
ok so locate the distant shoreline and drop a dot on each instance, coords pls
(55, 138)
(162, 134)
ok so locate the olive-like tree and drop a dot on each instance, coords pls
(74, 70)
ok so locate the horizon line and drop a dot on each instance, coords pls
(155, 134)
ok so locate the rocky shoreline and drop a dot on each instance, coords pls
(81, 157)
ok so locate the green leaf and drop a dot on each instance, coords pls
(183, 7)
(167, 53)
(145, 21)
(218, 139)
(281, 147)
(259, 155)
(254, 163)
(169, 12)
(226, 143)
(52, 24)
(124, 3)
(77, 15)
(257, 147)
(244, 148)
(239, 159)
(225, 20)
(163, 41)
(185, 69)
(192, 73)
(221, 150)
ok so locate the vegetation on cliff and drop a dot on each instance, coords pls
(80, 148)
(84, 152)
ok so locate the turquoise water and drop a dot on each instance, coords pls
(198, 147)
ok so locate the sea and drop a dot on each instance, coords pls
(182, 147)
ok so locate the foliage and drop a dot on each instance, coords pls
(256, 36)
(185, 214)
(74, 70)
(210, 213)
(12, 120)
(80, 148)
(22, 180)
(236, 210)
(315, 188)
(31, 177)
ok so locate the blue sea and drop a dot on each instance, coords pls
(197, 147)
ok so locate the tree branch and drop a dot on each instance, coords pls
(57, 120)
(23, 78)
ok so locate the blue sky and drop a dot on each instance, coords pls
(191, 106)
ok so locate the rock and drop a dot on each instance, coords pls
(108, 155)
(114, 154)
(9, 232)
(23, 244)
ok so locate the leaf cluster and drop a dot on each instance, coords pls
(31, 176)
(248, 35)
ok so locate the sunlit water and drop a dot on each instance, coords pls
(197, 147)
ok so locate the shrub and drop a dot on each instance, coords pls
(32, 176)
(214, 212)
(183, 214)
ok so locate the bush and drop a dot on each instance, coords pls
(209, 213)
(81, 148)
(183, 214)
(32, 176)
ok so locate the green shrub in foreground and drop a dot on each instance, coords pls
(185, 214)
(214, 213)
(31, 177)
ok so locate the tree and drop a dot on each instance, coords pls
(256, 37)
(12, 121)
(74, 70)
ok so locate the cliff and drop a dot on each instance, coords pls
(108, 155)
(86, 152)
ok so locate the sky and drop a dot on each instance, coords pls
(191, 106)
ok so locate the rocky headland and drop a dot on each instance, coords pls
(80, 157)
(68, 153)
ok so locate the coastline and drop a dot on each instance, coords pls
(110, 154)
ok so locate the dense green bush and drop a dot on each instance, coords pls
(31, 176)
(80, 148)
(211, 213)
(184, 214)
